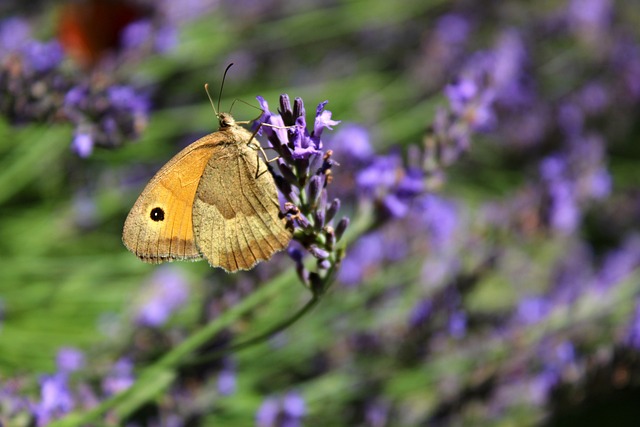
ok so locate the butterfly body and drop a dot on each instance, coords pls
(215, 199)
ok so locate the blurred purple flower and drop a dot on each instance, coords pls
(43, 57)
(55, 399)
(590, 17)
(458, 324)
(564, 212)
(268, 412)
(570, 119)
(119, 378)
(363, 254)
(125, 97)
(166, 39)
(471, 102)
(377, 413)
(227, 378)
(286, 411)
(619, 264)
(82, 144)
(594, 98)
(420, 313)
(381, 175)
(15, 33)
(387, 181)
(70, 360)
(293, 405)
(136, 34)
(181, 12)
(440, 216)
(541, 385)
(633, 330)
(352, 142)
(166, 292)
(532, 310)
(452, 28)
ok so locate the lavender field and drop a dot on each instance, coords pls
(461, 180)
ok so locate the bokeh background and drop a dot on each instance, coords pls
(488, 162)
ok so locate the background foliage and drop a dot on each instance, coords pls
(488, 160)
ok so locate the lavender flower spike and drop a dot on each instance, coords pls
(304, 174)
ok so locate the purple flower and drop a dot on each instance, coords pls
(82, 144)
(473, 104)
(541, 385)
(366, 252)
(303, 143)
(589, 17)
(119, 378)
(166, 292)
(305, 172)
(126, 98)
(293, 405)
(43, 57)
(532, 310)
(15, 33)
(440, 216)
(136, 34)
(458, 324)
(227, 378)
(377, 413)
(323, 120)
(55, 399)
(452, 29)
(166, 39)
(619, 264)
(268, 413)
(287, 411)
(563, 210)
(381, 175)
(387, 181)
(70, 360)
(352, 142)
(571, 119)
(594, 98)
(76, 96)
(633, 332)
(460, 93)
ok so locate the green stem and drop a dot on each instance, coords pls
(156, 378)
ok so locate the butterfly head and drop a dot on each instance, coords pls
(226, 120)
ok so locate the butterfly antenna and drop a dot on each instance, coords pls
(224, 76)
(206, 89)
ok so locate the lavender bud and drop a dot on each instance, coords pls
(298, 108)
(315, 188)
(282, 184)
(287, 172)
(318, 217)
(295, 254)
(332, 210)
(341, 227)
(303, 222)
(324, 264)
(318, 253)
(285, 110)
(293, 197)
(322, 201)
(330, 236)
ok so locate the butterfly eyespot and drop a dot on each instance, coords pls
(157, 214)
